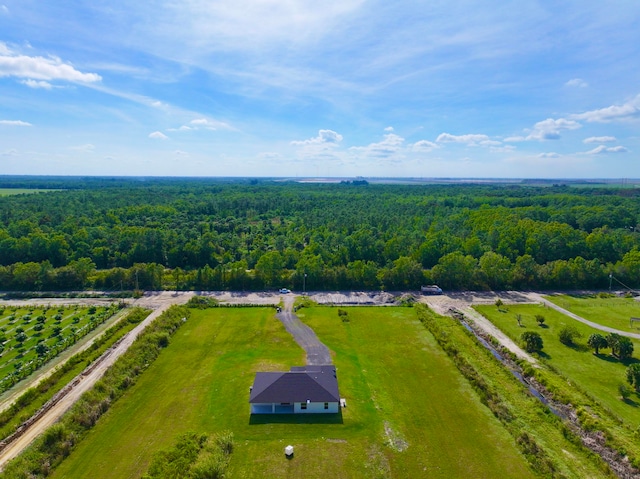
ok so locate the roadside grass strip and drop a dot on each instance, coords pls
(409, 413)
(575, 375)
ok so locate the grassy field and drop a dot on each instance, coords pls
(613, 312)
(34, 335)
(409, 414)
(598, 375)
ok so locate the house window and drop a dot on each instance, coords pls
(303, 405)
(326, 405)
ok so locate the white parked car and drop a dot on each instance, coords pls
(285, 290)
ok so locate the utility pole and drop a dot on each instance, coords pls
(610, 279)
(304, 283)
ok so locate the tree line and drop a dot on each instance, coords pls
(214, 235)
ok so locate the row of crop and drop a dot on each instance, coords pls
(58, 441)
(468, 355)
(43, 356)
(33, 398)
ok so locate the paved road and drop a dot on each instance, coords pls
(585, 321)
(317, 353)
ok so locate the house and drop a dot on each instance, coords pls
(302, 390)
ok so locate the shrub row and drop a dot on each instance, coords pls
(56, 444)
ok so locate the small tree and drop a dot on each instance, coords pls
(568, 335)
(597, 341)
(625, 348)
(540, 319)
(633, 376)
(532, 341)
(21, 337)
(519, 319)
(624, 391)
(41, 349)
(613, 341)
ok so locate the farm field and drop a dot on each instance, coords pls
(613, 312)
(22, 191)
(31, 336)
(597, 375)
(409, 414)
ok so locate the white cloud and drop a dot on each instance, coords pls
(626, 111)
(577, 82)
(391, 146)
(389, 129)
(599, 150)
(40, 68)
(424, 146)
(14, 123)
(469, 139)
(325, 137)
(202, 124)
(599, 139)
(548, 129)
(550, 154)
(45, 85)
(157, 135)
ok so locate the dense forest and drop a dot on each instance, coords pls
(207, 234)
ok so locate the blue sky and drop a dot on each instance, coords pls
(335, 88)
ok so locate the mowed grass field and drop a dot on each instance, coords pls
(409, 412)
(597, 375)
(611, 312)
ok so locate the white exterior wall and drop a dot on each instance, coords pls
(316, 407)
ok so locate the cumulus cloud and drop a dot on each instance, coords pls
(202, 124)
(325, 137)
(45, 85)
(599, 139)
(424, 146)
(550, 154)
(158, 135)
(577, 82)
(548, 129)
(41, 68)
(390, 146)
(14, 123)
(626, 111)
(599, 150)
(389, 129)
(469, 139)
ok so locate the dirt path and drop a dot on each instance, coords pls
(442, 304)
(317, 353)
(86, 380)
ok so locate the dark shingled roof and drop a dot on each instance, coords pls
(301, 384)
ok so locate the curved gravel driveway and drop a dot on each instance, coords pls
(317, 353)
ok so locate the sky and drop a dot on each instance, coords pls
(300, 88)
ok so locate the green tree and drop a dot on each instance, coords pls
(625, 348)
(269, 268)
(597, 341)
(539, 319)
(568, 335)
(532, 341)
(633, 376)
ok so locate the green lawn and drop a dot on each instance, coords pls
(612, 312)
(409, 414)
(598, 375)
